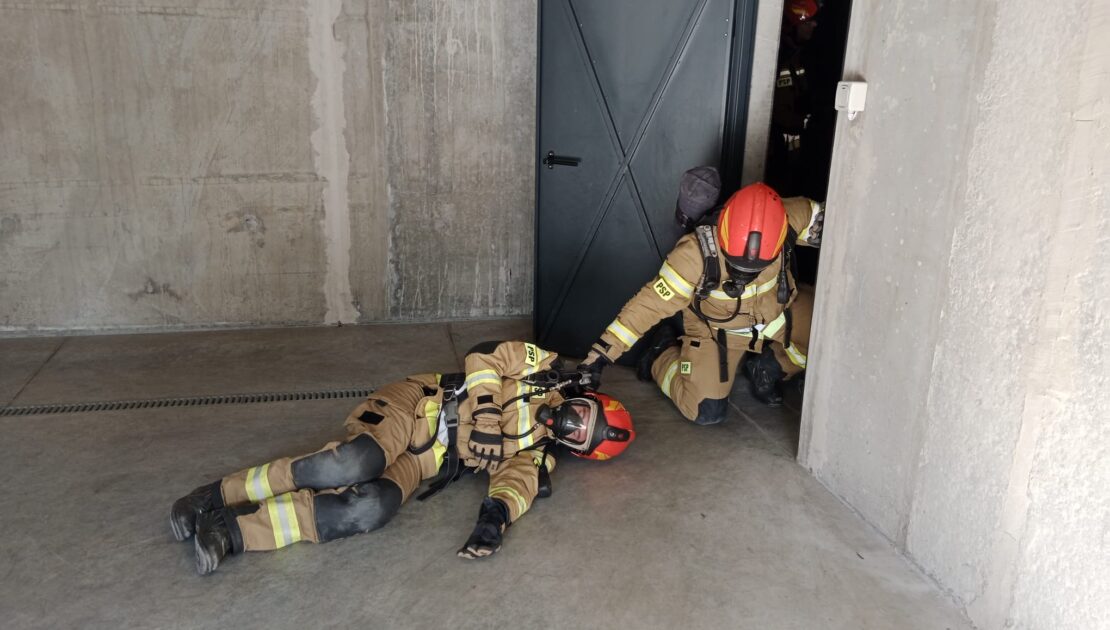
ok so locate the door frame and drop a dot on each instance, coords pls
(734, 128)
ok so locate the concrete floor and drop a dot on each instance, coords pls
(693, 527)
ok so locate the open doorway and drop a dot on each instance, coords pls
(810, 61)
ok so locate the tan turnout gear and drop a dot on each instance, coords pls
(401, 418)
(692, 372)
(396, 416)
(493, 382)
(793, 359)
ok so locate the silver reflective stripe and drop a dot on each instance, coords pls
(257, 479)
(284, 503)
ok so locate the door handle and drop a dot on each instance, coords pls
(552, 160)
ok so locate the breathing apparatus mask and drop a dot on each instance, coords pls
(592, 426)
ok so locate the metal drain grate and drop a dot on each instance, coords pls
(191, 401)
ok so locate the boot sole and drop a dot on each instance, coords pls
(207, 560)
(180, 531)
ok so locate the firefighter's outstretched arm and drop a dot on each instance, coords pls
(512, 489)
(807, 218)
(486, 364)
(671, 290)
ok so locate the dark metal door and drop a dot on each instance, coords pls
(631, 94)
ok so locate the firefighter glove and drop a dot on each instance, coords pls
(486, 538)
(816, 227)
(485, 443)
(591, 368)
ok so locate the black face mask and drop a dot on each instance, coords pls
(562, 420)
(738, 279)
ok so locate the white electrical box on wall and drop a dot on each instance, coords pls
(851, 97)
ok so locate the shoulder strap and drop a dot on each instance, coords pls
(711, 270)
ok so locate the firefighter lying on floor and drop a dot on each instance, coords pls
(733, 283)
(503, 415)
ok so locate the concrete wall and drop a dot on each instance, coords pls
(761, 97)
(208, 162)
(958, 378)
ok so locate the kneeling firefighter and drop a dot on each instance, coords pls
(505, 414)
(734, 284)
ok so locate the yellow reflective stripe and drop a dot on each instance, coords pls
(431, 412)
(750, 291)
(258, 483)
(283, 520)
(291, 513)
(538, 459)
(275, 523)
(796, 357)
(768, 330)
(676, 281)
(522, 505)
(627, 337)
(775, 326)
(672, 369)
(482, 377)
(439, 451)
(523, 418)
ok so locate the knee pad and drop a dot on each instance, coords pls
(358, 509)
(353, 462)
(712, 411)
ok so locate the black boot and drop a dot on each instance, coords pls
(664, 336)
(217, 537)
(765, 377)
(183, 515)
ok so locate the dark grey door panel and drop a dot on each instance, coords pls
(638, 91)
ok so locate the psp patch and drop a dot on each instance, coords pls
(663, 289)
(685, 367)
(531, 354)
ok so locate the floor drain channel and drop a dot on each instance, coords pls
(191, 401)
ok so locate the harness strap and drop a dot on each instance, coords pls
(722, 354)
(788, 329)
(451, 472)
(454, 469)
(711, 268)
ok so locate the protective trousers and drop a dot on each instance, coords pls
(690, 374)
(792, 359)
(347, 487)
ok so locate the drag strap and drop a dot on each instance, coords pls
(722, 354)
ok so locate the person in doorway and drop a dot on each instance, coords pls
(793, 104)
(698, 193)
(504, 415)
(733, 283)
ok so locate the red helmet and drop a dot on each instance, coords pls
(752, 228)
(798, 11)
(594, 426)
